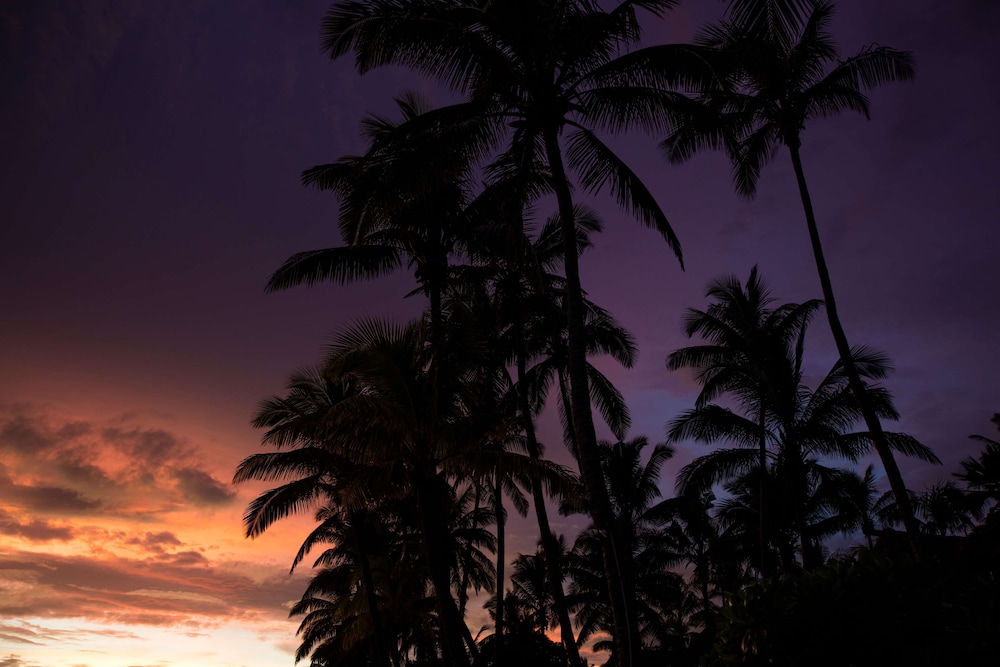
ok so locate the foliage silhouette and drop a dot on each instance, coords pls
(776, 81)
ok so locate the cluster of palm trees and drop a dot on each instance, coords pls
(409, 439)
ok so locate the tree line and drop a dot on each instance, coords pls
(409, 441)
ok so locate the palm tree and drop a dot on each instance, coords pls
(982, 473)
(947, 509)
(405, 420)
(657, 592)
(746, 342)
(337, 628)
(529, 613)
(313, 473)
(778, 53)
(695, 543)
(801, 427)
(515, 275)
(433, 428)
(404, 199)
(553, 72)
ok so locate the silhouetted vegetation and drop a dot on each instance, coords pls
(409, 442)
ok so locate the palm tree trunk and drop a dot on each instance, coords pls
(550, 546)
(808, 563)
(434, 535)
(844, 349)
(568, 411)
(626, 628)
(368, 581)
(498, 631)
(763, 483)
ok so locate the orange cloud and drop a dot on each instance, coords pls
(69, 467)
(182, 588)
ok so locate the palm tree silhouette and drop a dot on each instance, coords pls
(746, 341)
(633, 486)
(505, 271)
(335, 628)
(553, 72)
(982, 472)
(947, 509)
(778, 80)
(799, 427)
(405, 198)
(313, 472)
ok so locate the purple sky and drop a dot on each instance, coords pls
(150, 184)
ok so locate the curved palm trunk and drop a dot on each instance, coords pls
(619, 580)
(549, 545)
(844, 349)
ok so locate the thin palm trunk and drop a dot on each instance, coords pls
(567, 410)
(626, 629)
(761, 532)
(498, 632)
(844, 350)
(549, 545)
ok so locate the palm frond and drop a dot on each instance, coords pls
(343, 265)
(598, 167)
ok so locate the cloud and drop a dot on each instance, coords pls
(22, 433)
(31, 634)
(169, 590)
(14, 660)
(35, 530)
(70, 467)
(45, 499)
(154, 447)
(202, 488)
(155, 542)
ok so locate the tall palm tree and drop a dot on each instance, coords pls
(746, 342)
(553, 71)
(527, 297)
(779, 54)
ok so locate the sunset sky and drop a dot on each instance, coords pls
(151, 154)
